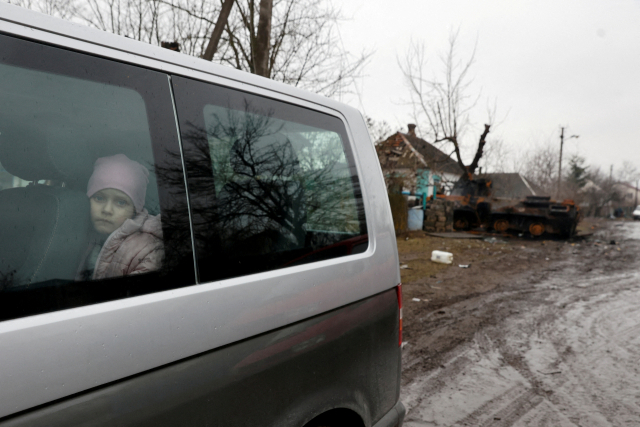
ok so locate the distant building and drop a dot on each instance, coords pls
(423, 168)
(629, 194)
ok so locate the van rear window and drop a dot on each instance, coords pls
(271, 184)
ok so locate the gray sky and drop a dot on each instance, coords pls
(547, 63)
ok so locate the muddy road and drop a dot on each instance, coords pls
(531, 334)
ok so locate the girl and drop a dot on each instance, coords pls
(127, 240)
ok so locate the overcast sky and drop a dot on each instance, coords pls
(547, 63)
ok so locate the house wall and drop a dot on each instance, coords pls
(448, 180)
(628, 195)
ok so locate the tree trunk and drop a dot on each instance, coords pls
(263, 39)
(212, 47)
(471, 169)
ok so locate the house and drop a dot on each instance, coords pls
(421, 167)
(509, 185)
(629, 194)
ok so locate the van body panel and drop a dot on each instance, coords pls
(73, 350)
(51, 356)
(346, 358)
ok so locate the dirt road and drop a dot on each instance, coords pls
(531, 334)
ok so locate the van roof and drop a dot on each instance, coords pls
(160, 59)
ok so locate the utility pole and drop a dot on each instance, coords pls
(636, 193)
(560, 161)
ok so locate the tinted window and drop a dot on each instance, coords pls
(74, 126)
(271, 184)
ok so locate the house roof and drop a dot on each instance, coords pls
(628, 186)
(508, 185)
(403, 151)
(437, 160)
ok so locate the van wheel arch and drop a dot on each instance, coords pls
(339, 417)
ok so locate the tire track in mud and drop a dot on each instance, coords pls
(558, 348)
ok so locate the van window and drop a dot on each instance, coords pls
(85, 154)
(271, 184)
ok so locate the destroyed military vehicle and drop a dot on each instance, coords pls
(476, 208)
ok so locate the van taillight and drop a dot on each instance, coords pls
(399, 292)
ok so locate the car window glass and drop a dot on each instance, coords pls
(82, 164)
(272, 184)
(321, 165)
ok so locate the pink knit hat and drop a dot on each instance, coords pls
(121, 173)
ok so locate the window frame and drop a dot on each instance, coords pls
(328, 122)
(150, 84)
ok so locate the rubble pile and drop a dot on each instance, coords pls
(439, 216)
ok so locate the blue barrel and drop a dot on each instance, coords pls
(416, 218)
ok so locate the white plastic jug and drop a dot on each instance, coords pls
(442, 257)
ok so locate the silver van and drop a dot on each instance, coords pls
(273, 298)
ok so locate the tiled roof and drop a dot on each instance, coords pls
(403, 151)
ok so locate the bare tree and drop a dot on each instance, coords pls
(599, 194)
(498, 157)
(304, 50)
(378, 130)
(293, 41)
(64, 9)
(263, 39)
(221, 22)
(443, 105)
(629, 173)
(187, 22)
(137, 19)
(540, 167)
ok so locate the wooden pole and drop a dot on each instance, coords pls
(560, 162)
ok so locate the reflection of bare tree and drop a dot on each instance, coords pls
(262, 208)
(329, 184)
(263, 191)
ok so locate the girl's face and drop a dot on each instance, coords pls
(110, 208)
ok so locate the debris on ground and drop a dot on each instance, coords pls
(442, 257)
(498, 329)
(493, 240)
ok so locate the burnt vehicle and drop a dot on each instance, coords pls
(476, 208)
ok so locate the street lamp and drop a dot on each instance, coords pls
(560, 161)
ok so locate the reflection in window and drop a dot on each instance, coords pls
(53, 128)
(246, 147)
(61, 111)
(280, 188)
